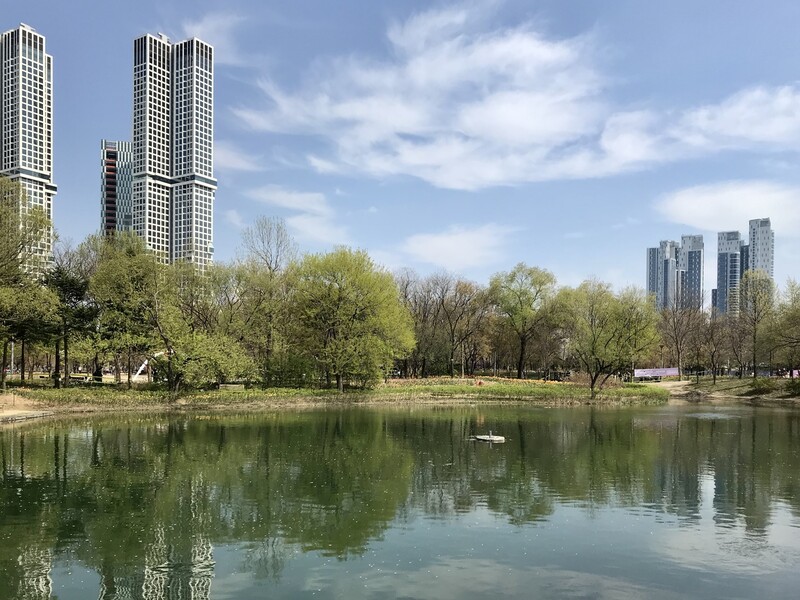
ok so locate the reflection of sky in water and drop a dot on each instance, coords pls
(688, 517)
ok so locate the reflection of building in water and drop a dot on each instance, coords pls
(168, 573)
(173, 569)
(35, 565)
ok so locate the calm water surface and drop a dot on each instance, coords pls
(668, 502)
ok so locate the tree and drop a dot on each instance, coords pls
(462, 308)
(350, 317)
(608, 332)
(521, 296)
(69, 279)
(27, 314)
(757, 308)
(678, 327)
(121, 288)
(22, 229)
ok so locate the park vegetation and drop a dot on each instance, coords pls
(275, 318)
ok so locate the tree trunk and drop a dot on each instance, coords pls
(130, 367)
(66, 357)
(755, 366)
(339, 383)
(57, 369)
(22, 362)
(3, 368)
(523, 343)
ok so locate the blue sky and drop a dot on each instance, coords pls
(464, 136)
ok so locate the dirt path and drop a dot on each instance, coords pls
(16, 408)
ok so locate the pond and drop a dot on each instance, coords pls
(660, 502)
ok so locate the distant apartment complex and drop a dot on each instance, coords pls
(26, 120)
(168, 198)
(675, 272)
(735, 258)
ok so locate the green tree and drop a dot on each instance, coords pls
(757, 308)
(350, 317)
(608, 332)
(28, 313)
(22, 229)
(521, 296)
(121, 288)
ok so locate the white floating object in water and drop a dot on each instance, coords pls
(492, 439)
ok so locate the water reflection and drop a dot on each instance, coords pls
(148, 503)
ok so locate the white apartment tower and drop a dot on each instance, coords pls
(173, 183)
(761, 256)
(26, 119)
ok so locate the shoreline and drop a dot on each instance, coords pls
(16, 407)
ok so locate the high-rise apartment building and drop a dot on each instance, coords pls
(117, 186)
(691, 262)
(26, 120)
(729, 271)
(761, 255)
(735, 258)
(172, 185)
(675, 272)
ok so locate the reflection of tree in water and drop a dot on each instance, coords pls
(144, 501)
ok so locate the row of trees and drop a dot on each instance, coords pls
(277, 318)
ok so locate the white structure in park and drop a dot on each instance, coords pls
(172, 185)
(26, 120)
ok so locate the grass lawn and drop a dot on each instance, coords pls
(94, 396)
(733, 386)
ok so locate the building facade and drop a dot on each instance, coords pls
(172, 152)
(691, 262)
(675, 273)
(735, 258)
(729, 271)
(26, 121)
(117, 186)
(761, 255)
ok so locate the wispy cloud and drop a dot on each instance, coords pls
(220, 30)
(463, 104)
(229, 157)
(729, 205)
(459, 247)
(233, 217)
(316, 219)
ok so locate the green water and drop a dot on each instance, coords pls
(670, 502)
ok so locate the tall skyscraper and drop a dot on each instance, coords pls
(117, 186)
(691, 262)
(172, 182)
(735, 258)
(26, 120)
(761, 256)
(675, 272)
(729, 271)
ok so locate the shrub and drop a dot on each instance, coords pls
(763, 385)
(792, 387)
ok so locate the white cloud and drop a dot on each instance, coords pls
(758, 116)
(316, 219)
(465, 105)
(228, 157)
(219, 30)
(459, 247)
(234, 218)
(729, 205)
